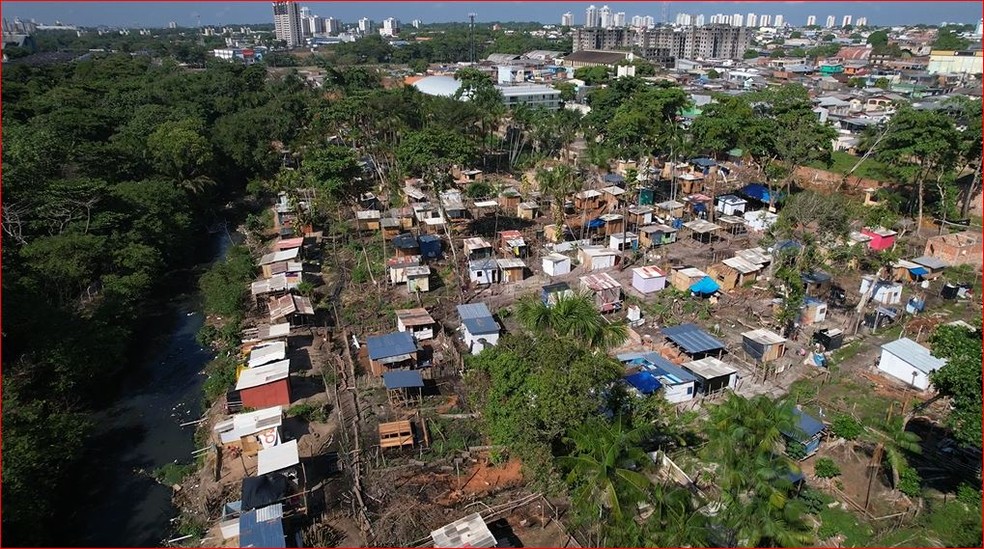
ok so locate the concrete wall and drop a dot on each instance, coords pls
(901, 370)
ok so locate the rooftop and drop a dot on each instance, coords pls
(914, 354)
(261, 375)
(692, 339)
(600, 281)
(391, 345)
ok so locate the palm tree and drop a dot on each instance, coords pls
(605, 468)
(573, 317)
(896, 442)
(675, 520)
(557, 182)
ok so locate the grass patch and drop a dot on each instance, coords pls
(174, 473)
(449, 437)
(843, 162)
(309, 412)
(834, 521)
(846, 352)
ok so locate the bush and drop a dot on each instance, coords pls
(309, 412)
(826, 468)
(910, 482)
(221, 377)
(814, 500)
(846, 427)
(224, 284)
(173, 473)
(969, 495)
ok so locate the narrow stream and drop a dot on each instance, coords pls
(141, 432)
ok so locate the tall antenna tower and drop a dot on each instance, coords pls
(471, 32)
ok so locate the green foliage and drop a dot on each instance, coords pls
(960, 379)
(174, 473)
(826, 468)
(910, 482)
(883, 83)
(947, 39)
(224, 285)
(478, 189)
(846, 427)
(956, 524)
(421, 150)
(574, 318)
(750, 54)
(814, 501)
(308, 412)
(593, 76)
(221, 378)
(834, 521)
(969, 495)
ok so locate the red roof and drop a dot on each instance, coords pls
(854, 53)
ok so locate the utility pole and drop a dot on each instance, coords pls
(471, 35)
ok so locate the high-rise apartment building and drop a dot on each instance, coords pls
(861, 22)
(699, 20)
(811, 20)
(416, 23)
(567, 20)
(779, 20)
(737, 20)
(664, 44)
(391, 27)
(846, 21)
(751, 20)
(649, 21)
(365, 25)
(831, 20)
(619, 19)
(333, 26)
(287, 22)
(605, 17)
(764, 20)
(636, 21)
(591, 17)
(171, 25)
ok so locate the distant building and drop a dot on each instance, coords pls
(605, 17)
(764, 20)
(333, 26)
(779, 20)
(811, 20)
(846, 20)
(665, 45)
(287, 22)
(737, 20)
(751, 20)
(567, 20)
(591, 17)
(830, 22)
(955, 62)
(416, 23)
(391, 27)
(861, 22)
(365, 25)
(699, 20)
(172, 25)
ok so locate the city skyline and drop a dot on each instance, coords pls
(159, 14)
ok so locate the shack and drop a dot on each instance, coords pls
(816, 283)
(693, 340)
(483, 271)
(398, 266)
(909, 362)
(607, 291)
(278, 458)
(395, 351)
(478, 326)
(612, 196)
(908, 271)
(701, 230)
(267, 352)
(595, 258)
(881, 238)
(417, 322)
(509, 199)
(418, 278)
(395, 434)
(403, 387)
(551, 293)
(829, 338)
(670, 209)
(934, 266)
(430, 246)
(683, 277)
(726, 276)
(513, 243)
(760, 220)
(470, 531)
(730, 204)
(690, 183)
(587, 200)
(556, 264)
(292, 308)
(251, 431)
(264, 386)
(406, 245)
(262, 528)
(291, 257)
(763, 345)
(712, 375)
(652, 236)
(648, 279)
(755, 256)
(477, 248)
(614, 223)
(747, 271)
(807, 433)
(527, 210)
(368, 220)
(454, 206)
(882, 291)
(678, 385)
(639, 216)
(623, 241)
(814, 311)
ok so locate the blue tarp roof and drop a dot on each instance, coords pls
(644, 381)
(405, 241)
(919, 271)
(268, 533)
(692, 339)
(705, 286)
(428, 238)
(596, 223)
(758, 192)
(613, 178)
(657, 365)
(395, 344)
(704, 162)
(402, 379)
(806, 426)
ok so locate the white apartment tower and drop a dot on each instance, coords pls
(365, 25)
(831, 20)
(779, 20)
(861, 22)
(333, 26)
(287, 22)
(591, 17)
(811, 20)
(416, 23)
(637, 21)
(764, 20)
(751, 20)
(846, 21)
(699, 20)
(605, 17)
(737, 20)
(567, 20)
(391, 27)
(619, 19)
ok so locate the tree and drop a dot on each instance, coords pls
(604, 469)
(711, 73)
(920, 146)
(878, 38)
(574, 318)
(883, 83)
(968, 116)
(947, 39)
(960, 379)
(334, 171)
(750, 54)
(181, 152)
(557, 182)
(567, 90)
(593, 76)
(795, 34)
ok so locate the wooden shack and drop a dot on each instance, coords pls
(368, 220)
(395, 434)
(670, 209)
(726, 276)
(587, 200)
(683, 277)
(763, 345)
(652, 236)
(639, 216)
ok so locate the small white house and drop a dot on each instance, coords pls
(909, 362)
(483, 271)
(759, 220)
(623, 241)
(648, 279)
(416, 321)
(884, 292)
(479, 329)
(596, 258)
(556, 264)
(730, 204)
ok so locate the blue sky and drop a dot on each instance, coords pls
(158, 14)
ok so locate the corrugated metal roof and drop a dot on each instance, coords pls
(914, 354)
(290, 243)
(486, 264)
(669, 205)
(261, 375)
(599, 282)
(741, 265)
(649, 271)
(709, 368)
(931, 262)
(276, 283)
(388, 345)
(276, 458)
(474, 310)
(476, 243)
(511, 263)
(692, 272)
(266, 353)
(701, 226)
(692, 339)
(241, 425)
(481, 325)
(414, 317)
(270, 512)
(254, 533)
(274, 331)
(402, 379)
(418, 270)
(806, 426)
(556, 258)
(470, 531)
(757, 256)
(763, 336)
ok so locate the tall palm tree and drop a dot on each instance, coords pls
(557, 182)
(896, 442)
(605, 468)
(573, 317)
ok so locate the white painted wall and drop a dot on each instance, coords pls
(678, 393)
(648, 285)
(477, 346)
(900, 369)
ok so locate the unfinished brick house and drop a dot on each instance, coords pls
(956, 249)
